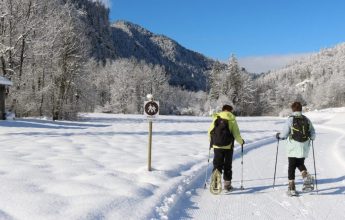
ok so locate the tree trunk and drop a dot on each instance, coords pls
(2, 102)
(21, 59)
(3, 64)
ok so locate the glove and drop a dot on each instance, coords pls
(277, 136)
(243, 142)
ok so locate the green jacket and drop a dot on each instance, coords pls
(232, 126)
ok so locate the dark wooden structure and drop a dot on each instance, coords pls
(3, 84)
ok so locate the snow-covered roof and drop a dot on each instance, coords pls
(303, 83)
(4, 81)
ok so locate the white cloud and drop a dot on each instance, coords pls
(259, 64)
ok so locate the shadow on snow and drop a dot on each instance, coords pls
(37, 123)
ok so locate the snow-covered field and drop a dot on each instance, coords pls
(97, 169)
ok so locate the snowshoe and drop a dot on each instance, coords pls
(308, 183)
(216, 182)
(292, 193)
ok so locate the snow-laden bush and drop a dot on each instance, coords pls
(186, 111)
(285, 112)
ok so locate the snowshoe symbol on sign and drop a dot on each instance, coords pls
(151, 108)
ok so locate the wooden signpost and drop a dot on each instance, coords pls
(151, 110)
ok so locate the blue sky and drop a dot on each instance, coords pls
(247, 28)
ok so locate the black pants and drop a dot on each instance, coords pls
(295, 163)
(222, 161)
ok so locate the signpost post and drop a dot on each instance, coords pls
(151, 110)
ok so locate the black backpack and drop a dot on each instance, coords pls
(221, 135)
(300, 128)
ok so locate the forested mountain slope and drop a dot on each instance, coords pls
(185, 67)
(318, 81)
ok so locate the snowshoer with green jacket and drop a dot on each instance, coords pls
(298, 132)
(222, 132)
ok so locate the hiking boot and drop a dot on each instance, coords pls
(227, 185)
(292, 188)
(304, 174)
(292, 185)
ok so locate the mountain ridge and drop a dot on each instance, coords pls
(186, 68)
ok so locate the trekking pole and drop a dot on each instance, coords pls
(275, 167)
(208, 162)
(312, 145)
(242, 167)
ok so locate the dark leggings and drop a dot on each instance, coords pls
(222, 161)
(295, 163)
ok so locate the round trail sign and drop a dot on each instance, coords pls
(151, 108)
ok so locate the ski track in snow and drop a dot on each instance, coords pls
(185, 188)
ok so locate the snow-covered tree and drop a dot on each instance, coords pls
(233, 82)
(215, 81)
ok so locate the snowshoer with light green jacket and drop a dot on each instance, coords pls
(223, 132)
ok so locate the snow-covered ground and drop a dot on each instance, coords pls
(97, 169)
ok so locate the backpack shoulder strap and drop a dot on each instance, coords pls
(292, 128)
(216, 121)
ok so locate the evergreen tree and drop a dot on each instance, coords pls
(233, 80)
